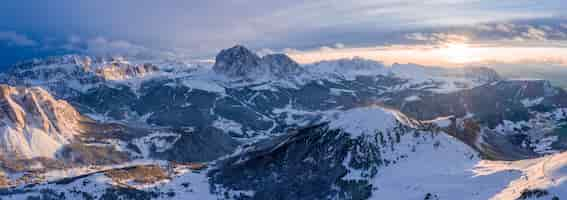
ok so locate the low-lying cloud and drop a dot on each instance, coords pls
(438, 38)
(101, 46)
(15, 39)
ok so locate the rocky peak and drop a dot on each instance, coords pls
(33, 123)
(75, 69)
(482, 74)
(280, 64)
(121, 71)
(237, 61)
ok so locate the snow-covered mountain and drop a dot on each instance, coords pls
(240, 62)
(34, 124)
(39, 133)
(349, 156)
(259, 89)
(342, 129)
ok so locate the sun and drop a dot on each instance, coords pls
(458, 53)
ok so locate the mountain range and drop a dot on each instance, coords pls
(252, 127)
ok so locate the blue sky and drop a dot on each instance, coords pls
(199, 29)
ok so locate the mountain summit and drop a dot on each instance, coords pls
(239, 61)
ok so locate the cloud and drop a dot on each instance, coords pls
(533, 33)
(506, 28)
(207, 26)
(339, 45)
(335, 46)
(546, 28)
(73, 43)
(521, 31)
(265, 51)
(101, 46)
(74, 39)
(13, 38)
(325, 48)
(438, 38)
(291, 51)
(418, 36)
(499, 27)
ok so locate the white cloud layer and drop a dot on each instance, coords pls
(523, 32)
(534, 33)
(438, 38)
(101, 46)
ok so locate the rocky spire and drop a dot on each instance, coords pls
(237, 61)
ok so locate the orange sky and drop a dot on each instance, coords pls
(450, 55)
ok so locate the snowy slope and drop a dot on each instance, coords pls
(442, 167)
(546, 174)
(416, 164)
(34, 124)
(433, 163)
(450, 174)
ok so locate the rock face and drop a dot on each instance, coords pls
(68, 76)
(34, 124)
(119, 71)
(281, 65)
(74, 67)
(305, 164)
(239, 62)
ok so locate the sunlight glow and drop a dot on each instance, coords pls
(458, 53)
(454, 54)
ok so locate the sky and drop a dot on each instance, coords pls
(435, 32)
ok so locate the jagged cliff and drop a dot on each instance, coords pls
(34, 123)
